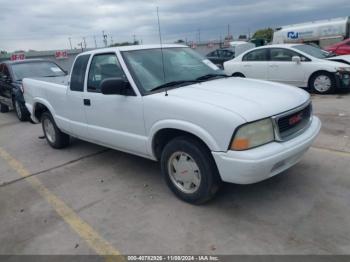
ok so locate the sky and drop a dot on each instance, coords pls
(48, 24)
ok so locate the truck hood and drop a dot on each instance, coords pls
(341, 58)
(250, 99)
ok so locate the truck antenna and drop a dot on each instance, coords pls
(161, 50)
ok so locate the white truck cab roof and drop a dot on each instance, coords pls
(132, 48)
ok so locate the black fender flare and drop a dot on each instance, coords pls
(17, 94)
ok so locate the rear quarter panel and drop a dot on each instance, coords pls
(52, 95)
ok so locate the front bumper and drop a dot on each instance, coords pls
(343, 80)
(254, 165)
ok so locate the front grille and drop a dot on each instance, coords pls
(290, 124)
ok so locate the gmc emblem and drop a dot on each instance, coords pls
(295, 119)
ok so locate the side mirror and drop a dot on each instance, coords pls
(115, 86)
(296, 59)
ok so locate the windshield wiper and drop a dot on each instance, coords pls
(184, 82)
(52, 76)
(174, 83)
(209, 76)
(330, 54)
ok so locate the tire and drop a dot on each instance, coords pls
(4, 108)
(238, 75)
(21, 110)
(201, 181)
(322, 83)
(55, 137)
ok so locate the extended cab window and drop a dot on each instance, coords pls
(78, 73)
(103, 66)
(256, 55)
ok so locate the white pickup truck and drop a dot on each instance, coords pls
(170, 104)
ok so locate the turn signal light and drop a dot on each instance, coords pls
(240, 144)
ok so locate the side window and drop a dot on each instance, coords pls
(102, 67)
(220, 53)
(228, 54)
(281, 54)
(78, 73)
(256, 55)
(214, 54)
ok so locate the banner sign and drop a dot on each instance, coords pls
(17, 56)
(61, 54)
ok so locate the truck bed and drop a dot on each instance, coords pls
(50, 91)
(61, 80)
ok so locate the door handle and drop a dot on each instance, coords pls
(87, 102)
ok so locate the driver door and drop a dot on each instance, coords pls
(113, 120)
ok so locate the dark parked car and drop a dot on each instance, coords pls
(219, 56)
(11, 76)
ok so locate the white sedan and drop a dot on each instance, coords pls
(294, 64)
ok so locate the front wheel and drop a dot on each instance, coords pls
(21, 110)
(55, 137)
(322, 83)
(190, 170)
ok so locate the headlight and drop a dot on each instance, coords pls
(253, 134)
(343, 69)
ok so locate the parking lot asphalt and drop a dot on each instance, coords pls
(87, 199)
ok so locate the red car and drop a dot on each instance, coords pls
(341, 48)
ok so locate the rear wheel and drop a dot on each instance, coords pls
(190, 170)
(322, 83)
(4, 108)
(55, 137)
(21, 110)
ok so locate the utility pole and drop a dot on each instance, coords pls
(95, 41)
(70, 42)
(134, 36)
(111, 40)
(84, 41)
(81, 46)
(104, 38)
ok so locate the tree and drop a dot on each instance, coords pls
(266, 33)
(180, 41)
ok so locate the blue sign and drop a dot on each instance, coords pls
(293, 35)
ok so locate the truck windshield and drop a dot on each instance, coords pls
(313, 51)
(181, 65)
(36, 69)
